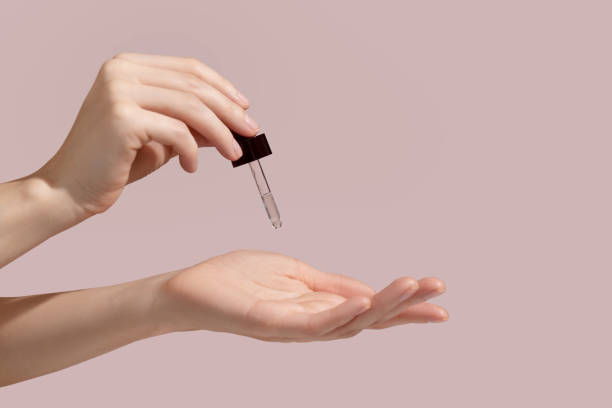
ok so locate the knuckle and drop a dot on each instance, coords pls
(180, 129)
(114, 89)
(231, 108)
(111, 69)
(226, 84)
(193, 103)
(408, 283)
(121, 111)
(121, 55)
(193, 82)
(237, 111)
(178, 132)
(194, 64)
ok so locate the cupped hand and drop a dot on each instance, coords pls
(141, 111)
(274, 297)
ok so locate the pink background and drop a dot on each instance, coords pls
(469, 140)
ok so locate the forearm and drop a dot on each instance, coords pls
(45, 333)
(32, 211)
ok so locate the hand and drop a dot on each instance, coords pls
(141, 111)
(258, 294)
(278, 298)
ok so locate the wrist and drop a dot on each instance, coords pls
(55, 209)
(159, 314)
(134, 308)
(170, 311)
(32, 211)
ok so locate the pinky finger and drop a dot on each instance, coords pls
(172, 132)
(421, 313)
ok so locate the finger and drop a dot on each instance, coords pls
(382, 303)
(200, 140)
(174, 133)
(190, 66)
(149, 158)
(320, 281)
(314, 302)
(153, 155)
(164, 130)
(188, 109)
(428, 289)
(230, 113)
(421, 313)
(428, 285)
(312, 326)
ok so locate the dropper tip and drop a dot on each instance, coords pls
(277, 224)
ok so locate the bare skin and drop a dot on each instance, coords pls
(142, 110)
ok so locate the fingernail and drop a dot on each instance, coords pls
(439, 320)
(241, 98)
(252, 124)
(237, 150)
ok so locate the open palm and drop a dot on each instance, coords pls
(278, 298)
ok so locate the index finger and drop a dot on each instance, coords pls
(192, 66)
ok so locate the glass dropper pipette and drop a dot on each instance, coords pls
(266, 195)
(253, 149)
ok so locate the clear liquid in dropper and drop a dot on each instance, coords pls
(266, 194)
(272, 210)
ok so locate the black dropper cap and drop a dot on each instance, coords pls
(253, 148)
